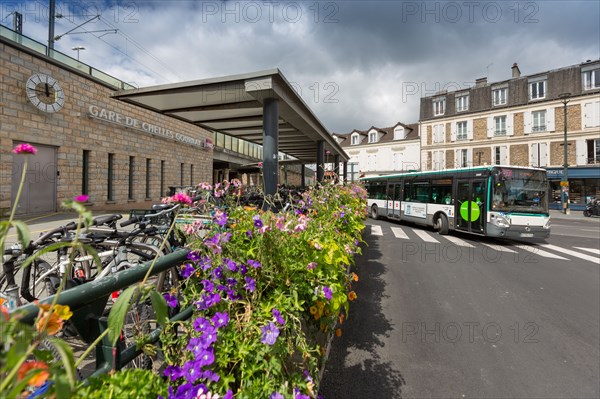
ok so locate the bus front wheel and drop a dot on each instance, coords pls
(374, 212)
(442, 225)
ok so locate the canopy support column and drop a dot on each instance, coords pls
(270, 145)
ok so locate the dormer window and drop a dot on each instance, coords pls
(537, 89)
(399, 133)
(439, 106)
(372, 137)
(590, 77)
(462, 102)
(355, 139)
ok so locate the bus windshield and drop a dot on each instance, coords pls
(517, 190)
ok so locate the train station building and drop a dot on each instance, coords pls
(96, 135)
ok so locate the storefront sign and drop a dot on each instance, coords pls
(155, 130)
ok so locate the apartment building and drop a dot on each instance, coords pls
(380, 151)
(524, 121)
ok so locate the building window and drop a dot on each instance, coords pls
(110, 171)
(499, 96)
(537, 90)
(591, 114)
(461, 130)
(538, 121)
(148, 174)
(355, 139)
(85, 173)
(463, 156)
(462, 103)
(399, 133)
(497, 156)
(181, 171)
(131, 175)
(438, 161)
(439, 106)
(373, 137)
(591, 79)
(538, 155)
(438, 133)
(593, 151)
(500, 126)
(162, 178)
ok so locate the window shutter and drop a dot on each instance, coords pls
(490, 126)
(509, 125)
(504, 155)
(543, 154)
(591, 114)
(470, 129)
(453, 132)
(457, 158)
(550, 120)
(527, 122)
(581, 152)
(533, 154)
(469, 157)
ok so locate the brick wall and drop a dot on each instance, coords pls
(486, 156)
(573, 118)
(519, 155)
(557, 153)
(71, 130)
(480, 129)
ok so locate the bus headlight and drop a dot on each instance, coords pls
(547, 225)
(501, 221)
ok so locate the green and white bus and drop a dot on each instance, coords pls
(496, 201)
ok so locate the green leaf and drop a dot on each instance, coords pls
(160, 307)
(62, 386)
(68, 360)
(117, 314)
(22, 232)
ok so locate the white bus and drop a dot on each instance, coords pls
(496, 201)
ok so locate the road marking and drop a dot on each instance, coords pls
(536, 250)
(458, 241)
(376, 230)
(425, 236)
(399, 233)
(592, 250)
(572, 253)
(498, 248)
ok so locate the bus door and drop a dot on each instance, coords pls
(394, 198)
(470, 205)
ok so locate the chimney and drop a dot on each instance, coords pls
(516, 72)
(480, 82)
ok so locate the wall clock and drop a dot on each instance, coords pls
(45, 93)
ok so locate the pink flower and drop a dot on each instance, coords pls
(260, 164)
(82, 198)
(181, 198)
(24, 148)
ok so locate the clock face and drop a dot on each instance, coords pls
(45, 93)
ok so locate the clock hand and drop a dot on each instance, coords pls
(47, 90)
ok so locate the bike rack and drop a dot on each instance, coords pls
(88, 301)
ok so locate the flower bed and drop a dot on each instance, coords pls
(268, 289)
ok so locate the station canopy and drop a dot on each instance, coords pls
(233, 105)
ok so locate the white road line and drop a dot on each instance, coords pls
(376, 230)
(399, 233)
(498, 248)
(593, 259)
(425, 236)
(458, 241)
(592, 250)
(537, 251)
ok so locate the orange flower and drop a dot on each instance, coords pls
(341, 319)
(4, 311)
(354, 276)
(53, 322)
(338, 332)
(352, 295)
(38, 378)
(313, 310)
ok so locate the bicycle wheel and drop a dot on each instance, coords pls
(138, 324)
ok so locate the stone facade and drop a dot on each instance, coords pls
(482, 156)
(73, 130)
(557, 152)
(519, 155)
(480, 129)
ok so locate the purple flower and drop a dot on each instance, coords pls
(208, 286)
(225, 237)
(184, 391)
(277, 314)
(249, 233)
(209, 337)
(311, 266)
(201, 324)
(250, 284)
(192, 370)
(220, 218)
(218, 272)
(207, 357)
(171, 300)
(81, 198)
(220, 319)
(243, 269)
(195, 345)
(193, 256)
(231, 265)
(299, 395)
(187, 270)
(328, 293)
(270, 333)
(258, 223)
(173, 372)
(276, 395)
(211, 375)
(228, 395)
(254, 263)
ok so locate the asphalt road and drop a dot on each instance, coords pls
(445, 320)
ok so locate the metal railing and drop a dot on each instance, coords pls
(88, 302)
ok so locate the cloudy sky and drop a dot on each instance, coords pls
(355, 63)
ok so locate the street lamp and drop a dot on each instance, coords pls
(565, 178)
(78, 48)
